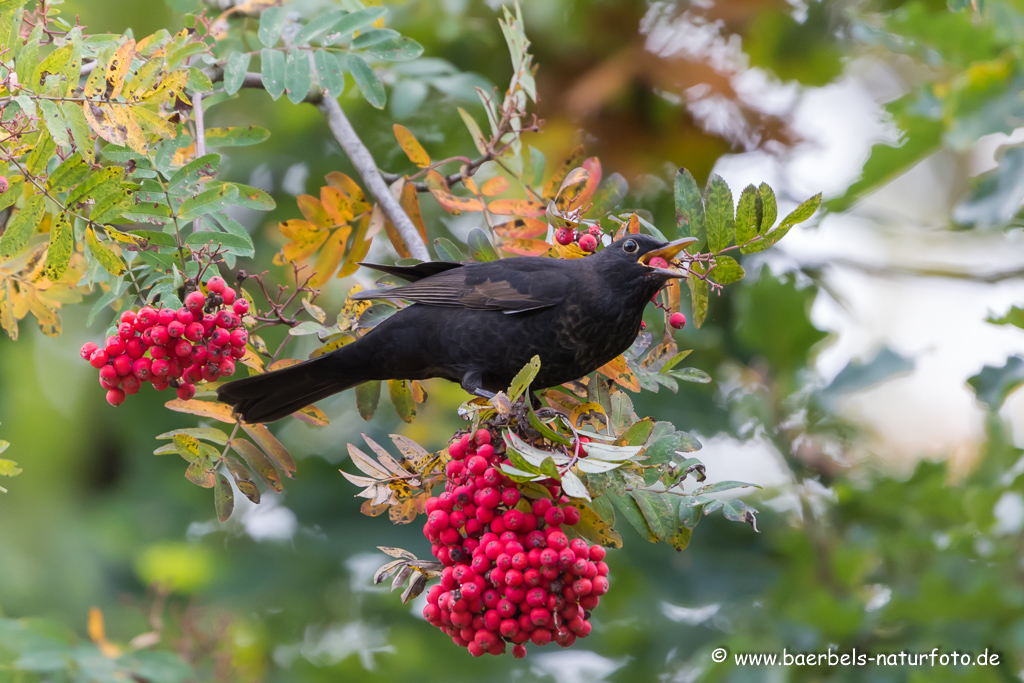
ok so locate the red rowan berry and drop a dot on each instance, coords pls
(216, 284)
(115, 397)
(588, 243)
(677, 320)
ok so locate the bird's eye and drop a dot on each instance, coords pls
(630, 246)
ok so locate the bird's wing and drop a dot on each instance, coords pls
(416, 272)
(511, 285)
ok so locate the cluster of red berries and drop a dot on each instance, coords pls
(510, 575)
(588, 239)
(173, 348)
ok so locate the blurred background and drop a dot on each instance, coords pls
(864, 370)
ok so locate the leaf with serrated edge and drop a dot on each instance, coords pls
(523, 379)
(259, 462)
(273, 448)
(366, 464)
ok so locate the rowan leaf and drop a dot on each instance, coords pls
(208, 201)
(21, 228)
(595, 529)
(272, 447)
(690, 219)
(523, 379)
(474, 131)
(366, 80)
(516, 207)
(726, 270)
(211, 409)
(401, 398)
(521, 228)
(236, 136)
(719, 216)
(235, 69)
(62, 244)
(117, 68)
(367, 398)
(411, 146)
(272, 21)
(329, 72)
(272, 72)
(330, 257)
(361, 242)
(629, 508)
(480, 248)
(79, 126)
(258, 462)
(297, 78)
(747, 215)
(223, 498)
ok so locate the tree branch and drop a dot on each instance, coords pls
(364, 163)
(360, 157)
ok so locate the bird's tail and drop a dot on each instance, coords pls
(274, 395)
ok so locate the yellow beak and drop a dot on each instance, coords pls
(668, 252)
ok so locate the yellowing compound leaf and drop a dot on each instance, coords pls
(411, 146)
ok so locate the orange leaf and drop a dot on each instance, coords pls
(495, 185)
(396, 240)
(305, 237)
(314, 211)
(631, 226)
(522, 228)
(436, 181)
(351, 188)
(555, 181)
(410, 202)
(360, 246)
(283, 363)
(330, 256)
(117, 67)
(337, 205)
(411, 146)
(525, 247)
(517, 207)
(456, 205)
(617, 371)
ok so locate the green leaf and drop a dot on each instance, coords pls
(320, 26)
(746, 215)
(400, 393)
(366, 80)
(480, 248)
(96, 184)
(237, 136)
(367, 398)
(54, 121)
(40, 156)
(726, 270)
(523, 379)
(80, 131)
(691, 375)
(658, 513)
(698, 296)
(993, 384)
(720, 220)
(235, 244)
(662, 451)
(62, 244)
(738, 511)
(769, 208)
(235, 69)
(22, 227)
(194, 171)
(1015, 317)
(721, 486)
(329, 72)
(396, 49)
(272, 71)
(223, 498)
(214, 199)
(474, 131)
(799, 215)
(296, 76)
(253, 198)
(14, 190)
(258, 462)
(272, 20)
(356, 21)
(448, 251)
(211, 434)
(109, 206)
(629, 508)
(689, 209)
(596, 528)
(859, 375)
(104, 255)
(70, 172)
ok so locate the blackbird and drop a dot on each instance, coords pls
(479, 323)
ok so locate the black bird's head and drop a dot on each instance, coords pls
(625, 265)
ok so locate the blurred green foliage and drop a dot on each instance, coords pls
(848, 556)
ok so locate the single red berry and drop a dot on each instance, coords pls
(128, 317)
(476, 465)
(241, 306)
(115, 397)
(518, 651)
(109, 374)
(554, 517)
(226, 367)
(142, 368)
(195, 302)
(134, 348)
(165, 316)
(677, 320)
(564, 236)
(216, 284)
(123, 365)
(239, 338)
(183, 348)
(225, 319)
(228, 295)
(657, 262)
(194, 331)
(126, 331)
(572, 514)
(209, 324)
(87, 350)
(160, 367)
(175, 329)
(220, 337)
(114, 346)
(98, 358)
(160, 336)
(147, 317)
(596, 231)
(541, 636)
(184, 316)
(588, 243)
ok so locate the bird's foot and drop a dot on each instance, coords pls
(546, 413)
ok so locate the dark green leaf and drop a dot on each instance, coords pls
(627, 505)
(367, 398)
(480, 248)
(401, 398)
(366, 80)
(746, 215)
(718, 209)
(396, 49)
(214, 199)
(689, 209)
(194, 171)
(658, 511)
(726, 270)
(448, 251)
(798, 215)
